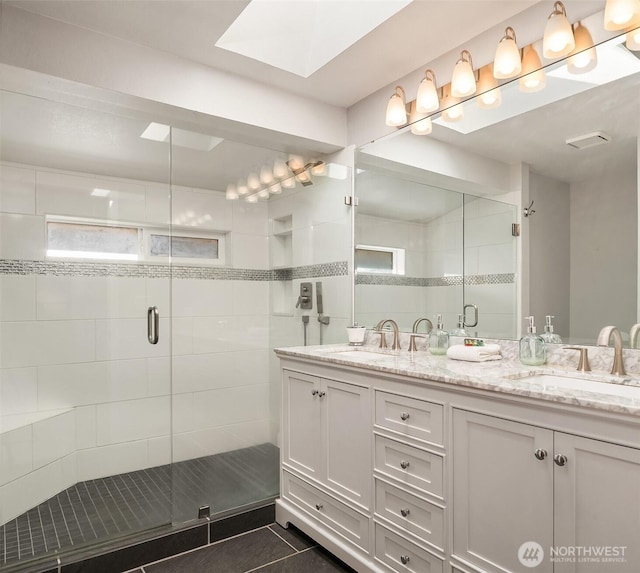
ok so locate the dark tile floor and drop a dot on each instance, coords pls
(117, 506)
(270, 549)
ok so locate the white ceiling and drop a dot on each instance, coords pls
(417, 34)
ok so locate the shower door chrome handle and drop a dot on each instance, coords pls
(475, 312)
(153, 324)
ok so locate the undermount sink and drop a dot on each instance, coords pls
(360, 354)
(552, 381)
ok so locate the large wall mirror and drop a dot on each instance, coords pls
(444, 206)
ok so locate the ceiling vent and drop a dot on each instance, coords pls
(589, 140)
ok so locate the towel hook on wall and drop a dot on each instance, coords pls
(528, 210)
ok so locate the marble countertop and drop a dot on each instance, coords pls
(504, 376)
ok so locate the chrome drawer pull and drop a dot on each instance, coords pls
(404, 416)
(404, 559)
(318, 506)
(321, 394)
(540, 454)
(404, 464)
(560, 459)
(314, 392)
(405, 512)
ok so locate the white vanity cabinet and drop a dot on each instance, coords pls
(515, 483)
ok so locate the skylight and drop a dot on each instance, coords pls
(300, 37)
(180, 137)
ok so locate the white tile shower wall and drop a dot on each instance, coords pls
(80, 341)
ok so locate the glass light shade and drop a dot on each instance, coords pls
(488, 90)
(266, 176)
(533, 77)
(452, 111)
(427, 99)
(303, 177)
(463, 81)
(320, 169)
(619, 14)
(506, 63)
(263, 194)
(232, 192)
(396, 109)
(252, 198)
(558, 40)
(288, 183)
(280, 169)
(242, 188)
(584, 57)
(633, 40)
(275, 188)
(420, 125)
(253, 182)
(295, 162)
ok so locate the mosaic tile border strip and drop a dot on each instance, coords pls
(395, 280)
(85, 269)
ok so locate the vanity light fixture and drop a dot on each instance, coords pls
(507, 63)
(633, 40)
(242, 188)
(463, 81)
(620, 14)
(275, 188)
(558, 40)
(427, 99)
(584, 57)
(232, 192)
(490, 95)
(319, 169)
(420, 124)
(289, 182)
(452, 110)
(533, 78)
(252, 198)
(263, 193)
(397, 108)
(266, 176)
(280, 169)
(253, 182)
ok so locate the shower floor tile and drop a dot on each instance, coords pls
(111, 507)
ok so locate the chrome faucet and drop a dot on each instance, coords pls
(396, 343)
(607, 334)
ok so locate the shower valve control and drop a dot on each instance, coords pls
(305, 301)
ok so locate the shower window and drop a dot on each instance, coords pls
(200, 248)
(372, 259)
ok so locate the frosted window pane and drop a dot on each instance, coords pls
(368, 260)
(184, 247)
(92, 238)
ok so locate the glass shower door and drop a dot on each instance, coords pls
(85, 347)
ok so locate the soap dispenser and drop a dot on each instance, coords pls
(549, 336)
(438, 338)
(459, 331)
(533, 350)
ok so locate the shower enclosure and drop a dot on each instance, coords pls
(139, 309)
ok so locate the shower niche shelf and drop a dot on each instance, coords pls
(281, 247)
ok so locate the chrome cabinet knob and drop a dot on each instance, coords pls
(405, 512)
(321, 394)
(540, 454)
(404, 559)
(318, 506)
(404, 464)
(560, 459)
(404, 416)
(314, 392)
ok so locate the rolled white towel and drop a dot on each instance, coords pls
(474, 353)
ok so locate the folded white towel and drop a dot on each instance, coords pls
(474, 353)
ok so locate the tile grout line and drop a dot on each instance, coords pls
(283, 539)
(278, 560)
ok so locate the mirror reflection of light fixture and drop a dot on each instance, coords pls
(242, 188)
(319, 169)
(584, 57)
(289, 182)
(489, 93)
(275, 188)
(263, 193)
(633, 40)
(506, 63)
(252, 198)
(266, 176)
(620, 14)
(420, 124)
(253, 182)
(232, 192)
(558, 40)
(280, 169)
(452, 110)
(397, 108)
(463, 81)
(533, 78)
(427, 99)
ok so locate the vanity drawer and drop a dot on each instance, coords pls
(416, 515)
(402, 555)
(409, 465)
(342, 519)
(410, 417)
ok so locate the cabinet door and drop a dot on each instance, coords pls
(597, 506)
(301, 423)
(347, 440)
(502, 494)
